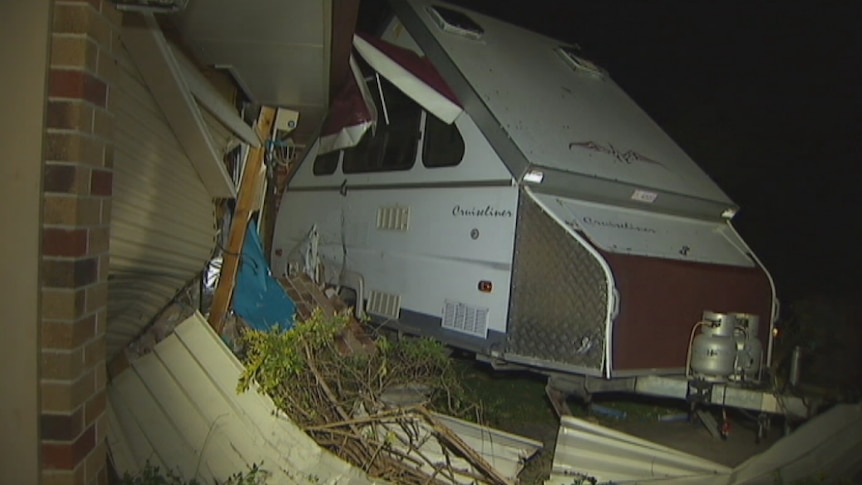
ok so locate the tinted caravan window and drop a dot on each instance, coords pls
(391, 146)
(443, 145)
(326, 164)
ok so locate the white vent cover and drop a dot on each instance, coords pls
(578, 63)
(393, 218)
(465, 318)
(384, 304)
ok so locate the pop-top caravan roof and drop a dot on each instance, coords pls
(545, 109)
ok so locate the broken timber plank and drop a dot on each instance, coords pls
(445, 434)
(245, 204)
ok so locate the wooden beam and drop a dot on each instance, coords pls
(162, 74)
(246, 204)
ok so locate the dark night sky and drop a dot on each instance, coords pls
(764, 95)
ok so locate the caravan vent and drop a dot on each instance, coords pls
(393, 218)
(465, 318)
(384, 304)
(455, 22)
(578, 63)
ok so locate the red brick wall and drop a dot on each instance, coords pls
(75, 233)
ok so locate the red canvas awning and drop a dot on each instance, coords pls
(353, 112)
(415, 76)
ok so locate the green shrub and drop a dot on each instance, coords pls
(154, 475)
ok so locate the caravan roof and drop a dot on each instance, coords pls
(543, 107)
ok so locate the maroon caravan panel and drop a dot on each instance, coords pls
(418, 66)
(661, 299)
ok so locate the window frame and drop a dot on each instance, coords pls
(370, 155)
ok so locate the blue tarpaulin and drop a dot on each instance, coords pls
(258, 297)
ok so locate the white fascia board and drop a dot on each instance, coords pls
(163, 75)
(213, 102)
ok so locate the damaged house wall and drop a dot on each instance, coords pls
(163, 222)
(76, 165)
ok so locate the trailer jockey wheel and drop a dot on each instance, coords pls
(699, 392)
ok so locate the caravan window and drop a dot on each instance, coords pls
(393, 144)
(326, 164)
(443, 145)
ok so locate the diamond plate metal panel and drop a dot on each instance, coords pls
(559, 295)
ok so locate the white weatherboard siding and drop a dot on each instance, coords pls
(177, 407)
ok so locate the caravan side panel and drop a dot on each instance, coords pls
(662, 299)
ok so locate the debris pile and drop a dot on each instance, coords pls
(370, 401)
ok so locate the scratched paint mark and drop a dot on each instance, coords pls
(627, 157)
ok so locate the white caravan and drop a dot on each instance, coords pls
(512, 200)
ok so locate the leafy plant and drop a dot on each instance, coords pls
(343, 398)
(154, 475)
(303, 370)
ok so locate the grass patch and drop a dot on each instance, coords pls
(507, 398)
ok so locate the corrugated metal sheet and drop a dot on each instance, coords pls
(163, 220)
(612, 456)
(177, 408)
(828, 449)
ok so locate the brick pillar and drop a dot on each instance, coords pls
(75, 233)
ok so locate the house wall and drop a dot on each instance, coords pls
(77, 187)
(24, 31)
